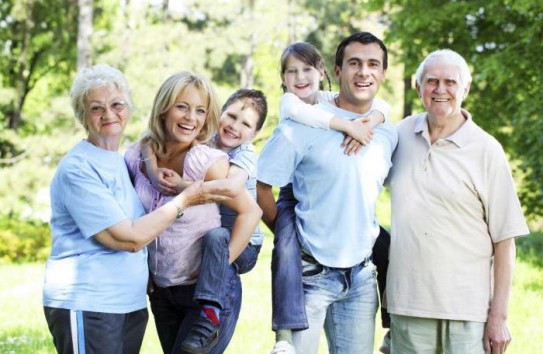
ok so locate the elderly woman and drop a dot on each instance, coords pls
(184, 117)
(96, 276)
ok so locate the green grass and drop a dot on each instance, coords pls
(23, 329)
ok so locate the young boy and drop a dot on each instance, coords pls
(243, 115)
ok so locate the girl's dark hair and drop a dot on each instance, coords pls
(307, 53)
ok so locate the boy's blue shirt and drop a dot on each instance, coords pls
(243, 156)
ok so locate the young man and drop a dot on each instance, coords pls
(337, 194)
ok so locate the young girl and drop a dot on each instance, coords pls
(302, 73)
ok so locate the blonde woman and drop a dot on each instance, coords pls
(184, 118)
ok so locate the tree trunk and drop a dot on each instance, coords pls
(246, 75)
(84, 57)
(21, 85)
(247, 78)
(407, 102)
(292, 35)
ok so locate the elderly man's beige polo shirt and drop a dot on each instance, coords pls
(450, 202)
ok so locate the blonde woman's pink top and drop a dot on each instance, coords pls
(174, 257)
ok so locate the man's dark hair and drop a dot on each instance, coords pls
(364, 38)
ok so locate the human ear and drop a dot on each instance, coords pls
(337, 71)
(321, 72)
(466, 90)
(417, 87)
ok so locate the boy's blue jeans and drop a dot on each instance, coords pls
(175, 312)
(212, 282)
(288, 309)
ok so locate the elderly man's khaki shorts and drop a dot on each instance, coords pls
(426, 335)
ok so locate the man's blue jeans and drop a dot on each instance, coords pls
(175, 311)
(288, 311)
(212, 280)
(344, 301)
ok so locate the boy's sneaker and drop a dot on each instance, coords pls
(283, 347)
(385, 346)
(202, 336)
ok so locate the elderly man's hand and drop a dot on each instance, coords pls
(497, 335)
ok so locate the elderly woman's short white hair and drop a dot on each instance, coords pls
(100, 75)
(449, 56)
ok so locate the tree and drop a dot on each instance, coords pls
(503, 42)
(84, 58)
(37, 38)
(335, 20)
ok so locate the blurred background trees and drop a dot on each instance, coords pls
(237, 43)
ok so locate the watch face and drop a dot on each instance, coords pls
(179, 213)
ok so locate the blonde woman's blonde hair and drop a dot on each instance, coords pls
(165, 99)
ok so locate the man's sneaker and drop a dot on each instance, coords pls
(202, 336)
(283, 347)
(385, 346)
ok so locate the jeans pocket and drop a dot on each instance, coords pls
(310, 269)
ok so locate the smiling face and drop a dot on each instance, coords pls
(360, 75)
(237, 125)
(441, 89)
(302, 79)
(106, 115)
(185, 119)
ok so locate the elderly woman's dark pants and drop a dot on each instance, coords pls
(96, 332)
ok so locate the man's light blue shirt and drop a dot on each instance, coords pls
(337, 194)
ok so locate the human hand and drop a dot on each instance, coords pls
(497, 335)
(200, 192)
(357, 134)
(165, 180)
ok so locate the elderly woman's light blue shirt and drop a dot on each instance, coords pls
(90, 192)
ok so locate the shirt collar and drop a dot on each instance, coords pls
(460, 137)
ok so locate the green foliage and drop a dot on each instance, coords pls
(23, 241)
(502, 41)
(530, 249)
(37, 39)
(24, 190)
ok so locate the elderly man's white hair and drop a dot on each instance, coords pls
(449, 56)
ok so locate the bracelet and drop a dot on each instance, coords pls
(179, 212)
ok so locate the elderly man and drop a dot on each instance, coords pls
(337, 194)
(455, 215)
